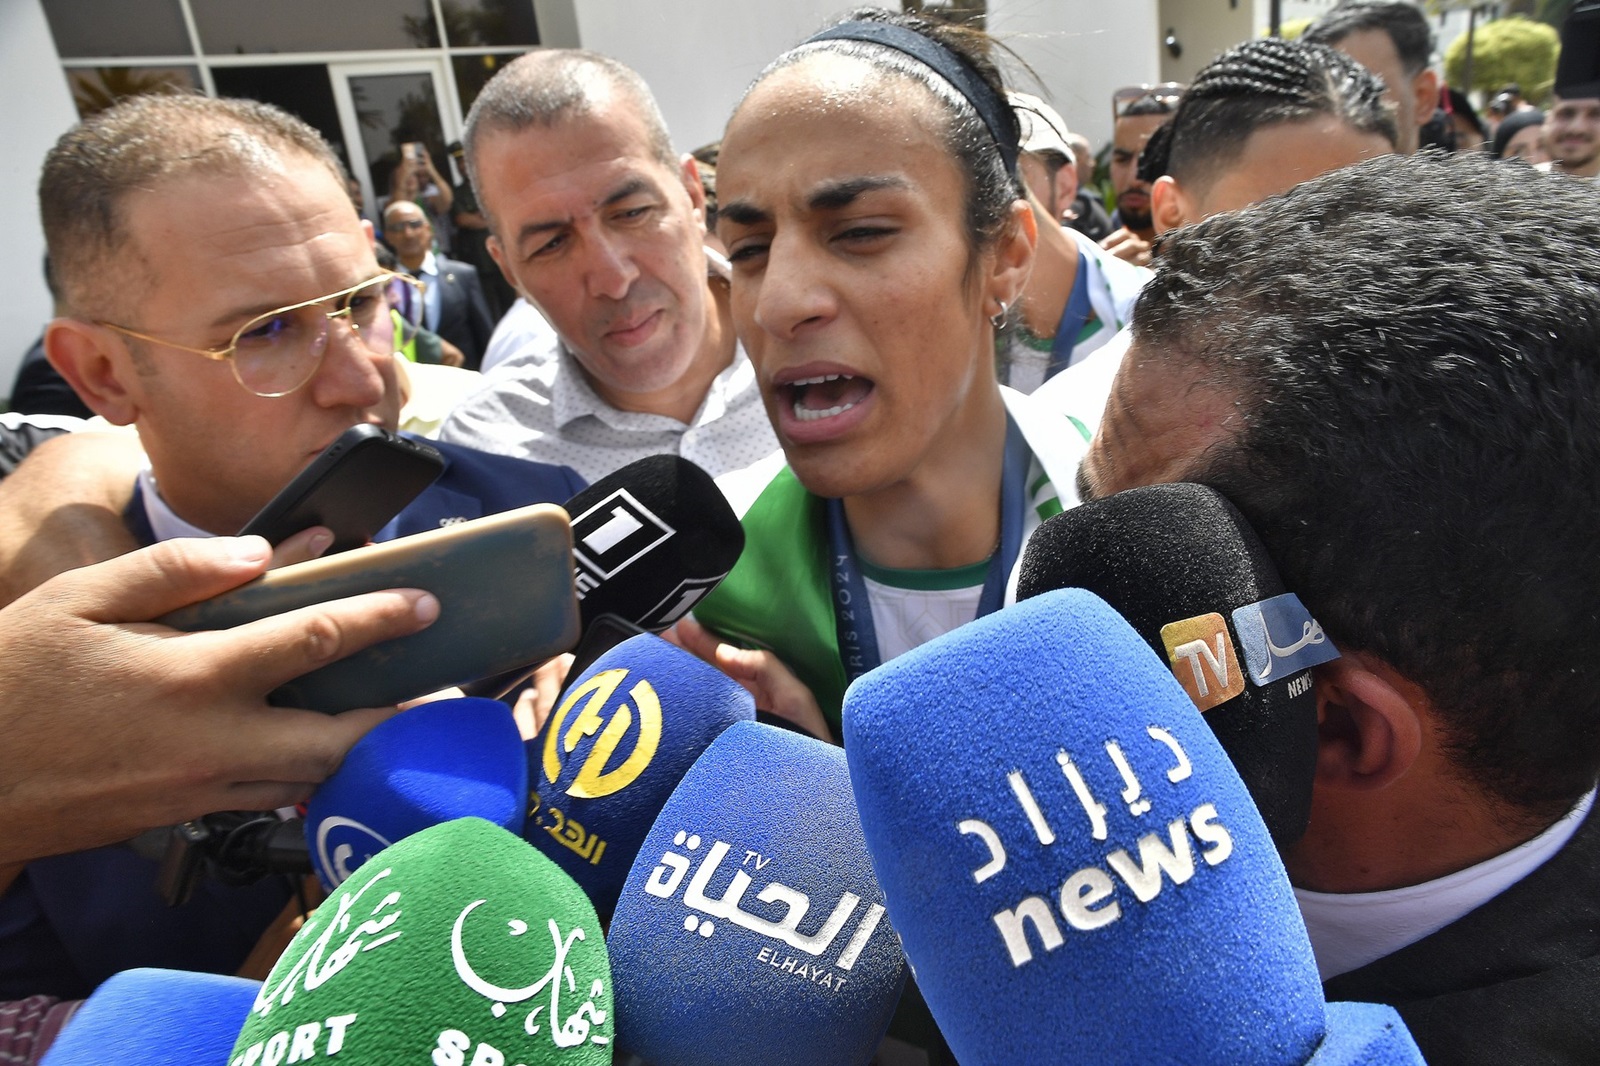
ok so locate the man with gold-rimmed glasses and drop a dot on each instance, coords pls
(275, 353)
(221, 295)
(229, 239)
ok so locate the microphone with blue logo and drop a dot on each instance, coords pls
(439, 761)
(1075, 869)
(620, 740)
(1185, 569)
(156, 1018)
(460, 946)
(751, 925)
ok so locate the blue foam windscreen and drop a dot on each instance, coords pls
(621, 738)
(751, 926)
(1366, 1034)
(156, 1018)
(459, 758)
(1075, 869)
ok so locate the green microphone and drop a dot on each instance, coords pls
(458, 946)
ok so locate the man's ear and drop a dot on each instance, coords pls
(1013, 256)
(1369, 723)
(1426, 87)
(98, 366)
(1169, 204)
(690, 172)
(497, 252)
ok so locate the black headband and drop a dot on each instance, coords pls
(984, 100)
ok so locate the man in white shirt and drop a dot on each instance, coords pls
(600, 226)
(521, 329)
(1427, 488)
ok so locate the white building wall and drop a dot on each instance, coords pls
(699, 59)
(1083, 50)
(36, 109)
(699, 66)
(1204, 29)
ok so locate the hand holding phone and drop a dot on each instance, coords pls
(360, 481)
(506, 597)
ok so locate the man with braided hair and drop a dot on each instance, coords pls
(1258, 120)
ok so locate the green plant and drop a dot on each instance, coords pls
(1513, 49)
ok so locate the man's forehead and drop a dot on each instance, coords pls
(243, 244)
(1133, 128)
(544, 175)
(607, 129)
(1163, 419)
(1374, 49)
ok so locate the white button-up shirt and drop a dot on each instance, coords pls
(538, 405)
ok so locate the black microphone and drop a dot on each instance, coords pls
(649, 541)
(1182, 565)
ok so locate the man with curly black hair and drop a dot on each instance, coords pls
(1425, 475)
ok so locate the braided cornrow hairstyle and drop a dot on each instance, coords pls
(1261, 83)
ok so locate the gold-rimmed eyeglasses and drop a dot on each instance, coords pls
(275, 353)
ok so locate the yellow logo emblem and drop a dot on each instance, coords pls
(593, 780)
(1203, 659)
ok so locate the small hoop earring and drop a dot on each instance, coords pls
(998, 319)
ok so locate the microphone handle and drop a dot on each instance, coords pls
(603, 634)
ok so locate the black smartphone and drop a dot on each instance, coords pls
(506, 595)
(359, 482)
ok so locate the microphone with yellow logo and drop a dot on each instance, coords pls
(622, 737)
(1182, 565)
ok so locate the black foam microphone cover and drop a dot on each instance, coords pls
(650, 540)
(1178, 561)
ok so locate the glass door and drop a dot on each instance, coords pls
(385, 107)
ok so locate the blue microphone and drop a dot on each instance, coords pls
(1076, 871)
(156, 1018)
(751, 925)
(439, 761)
(611, 752)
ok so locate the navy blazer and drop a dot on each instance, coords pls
(476, 483)
(464, 318)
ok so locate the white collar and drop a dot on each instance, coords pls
(1350, 930)
(572, 397)
(164, 521)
